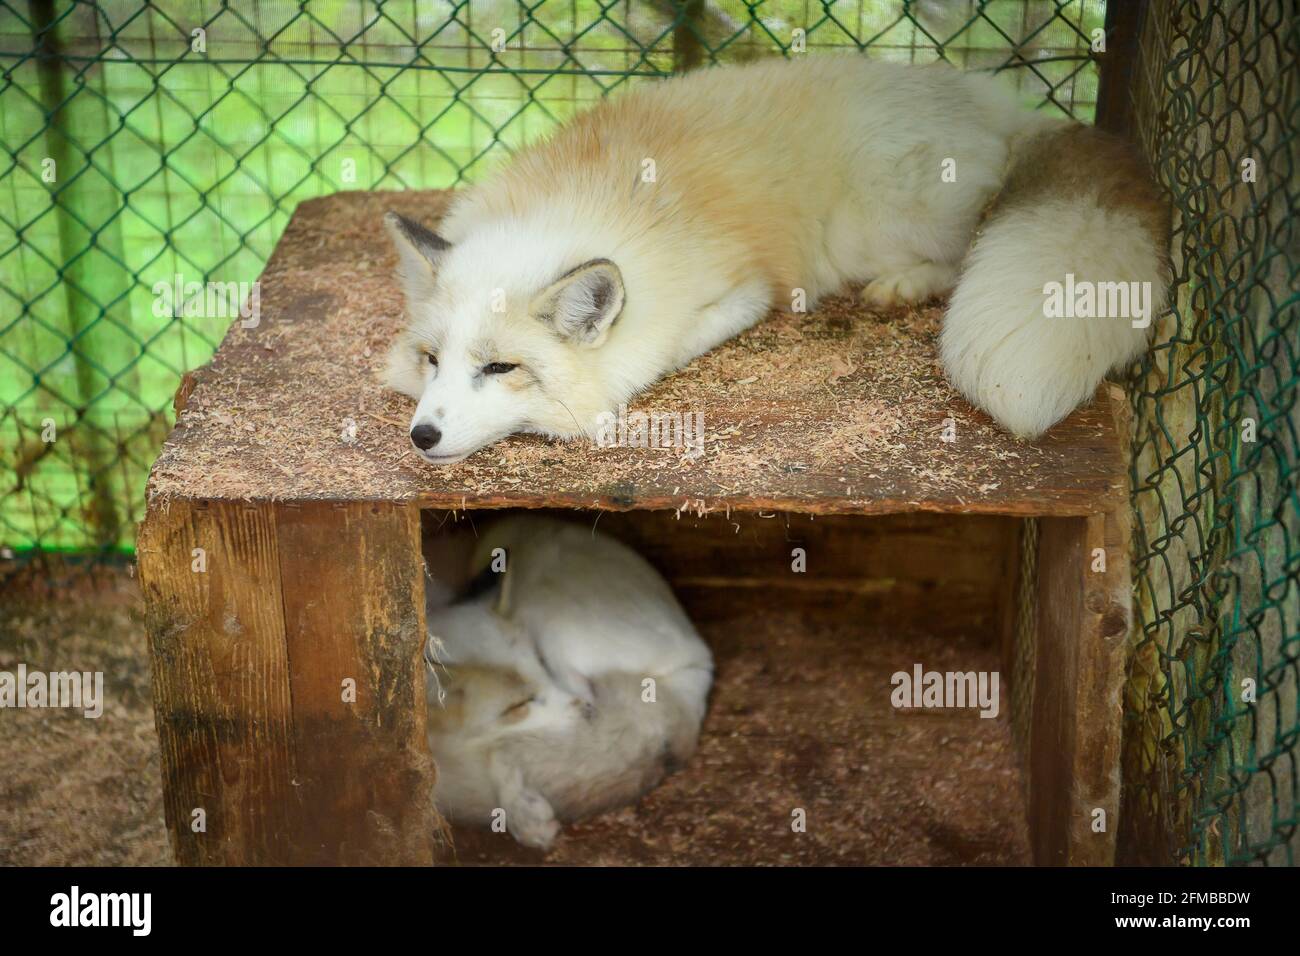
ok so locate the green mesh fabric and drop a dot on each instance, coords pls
(1212, 716)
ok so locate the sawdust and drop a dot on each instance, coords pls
(78, 791)
(878, 786)
(839, 410)
(800, 719)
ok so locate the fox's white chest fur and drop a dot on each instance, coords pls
(572, 686)
(664, 221)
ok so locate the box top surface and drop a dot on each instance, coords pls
(838, 411)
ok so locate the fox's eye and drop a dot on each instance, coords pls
(433, 359)
(517, 711)
(499, 368)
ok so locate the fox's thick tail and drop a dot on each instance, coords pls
(1077, 223)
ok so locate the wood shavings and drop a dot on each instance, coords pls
(796, 410)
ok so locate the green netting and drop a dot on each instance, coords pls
(1210, 758)
(168, 160)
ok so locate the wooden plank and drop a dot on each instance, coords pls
(1083, 628)
(354, 623)
(210, 576)
(943, 573)
(1124, 23)
(932, 549)
(248, 652)
(842, 410)
(1006, 591)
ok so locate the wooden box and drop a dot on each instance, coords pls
(281, 562)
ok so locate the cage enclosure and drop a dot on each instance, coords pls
(825, 539)
(147, 144)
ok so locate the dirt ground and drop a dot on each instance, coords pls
(76, 790)
(877, 786)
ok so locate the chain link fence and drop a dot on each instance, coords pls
(1213, 718)
(151, 146)
(148, 146)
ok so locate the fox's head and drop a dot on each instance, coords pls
(506, 696)
(493, 347)
(489, 702)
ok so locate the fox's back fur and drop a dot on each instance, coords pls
(706, 200)
(794, 173)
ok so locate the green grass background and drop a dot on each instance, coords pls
(169, 161)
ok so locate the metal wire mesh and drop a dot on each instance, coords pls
(1212, 721)
(1025, 637)
(145, 141)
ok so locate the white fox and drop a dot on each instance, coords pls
(664, 221)
(572, 685)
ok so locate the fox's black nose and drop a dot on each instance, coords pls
(425, 437)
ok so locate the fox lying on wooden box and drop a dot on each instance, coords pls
(666, 220)
(569, 683)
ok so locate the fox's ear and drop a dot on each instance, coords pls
(490, 579)
(583, 303)
(505, 605)
(419, 250)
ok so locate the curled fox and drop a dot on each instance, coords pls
(665, 221)
(571, 684)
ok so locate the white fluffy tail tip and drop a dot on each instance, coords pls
(1007, 346)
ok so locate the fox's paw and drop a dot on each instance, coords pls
(529, 816)
(532, 821)
(914, 284)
